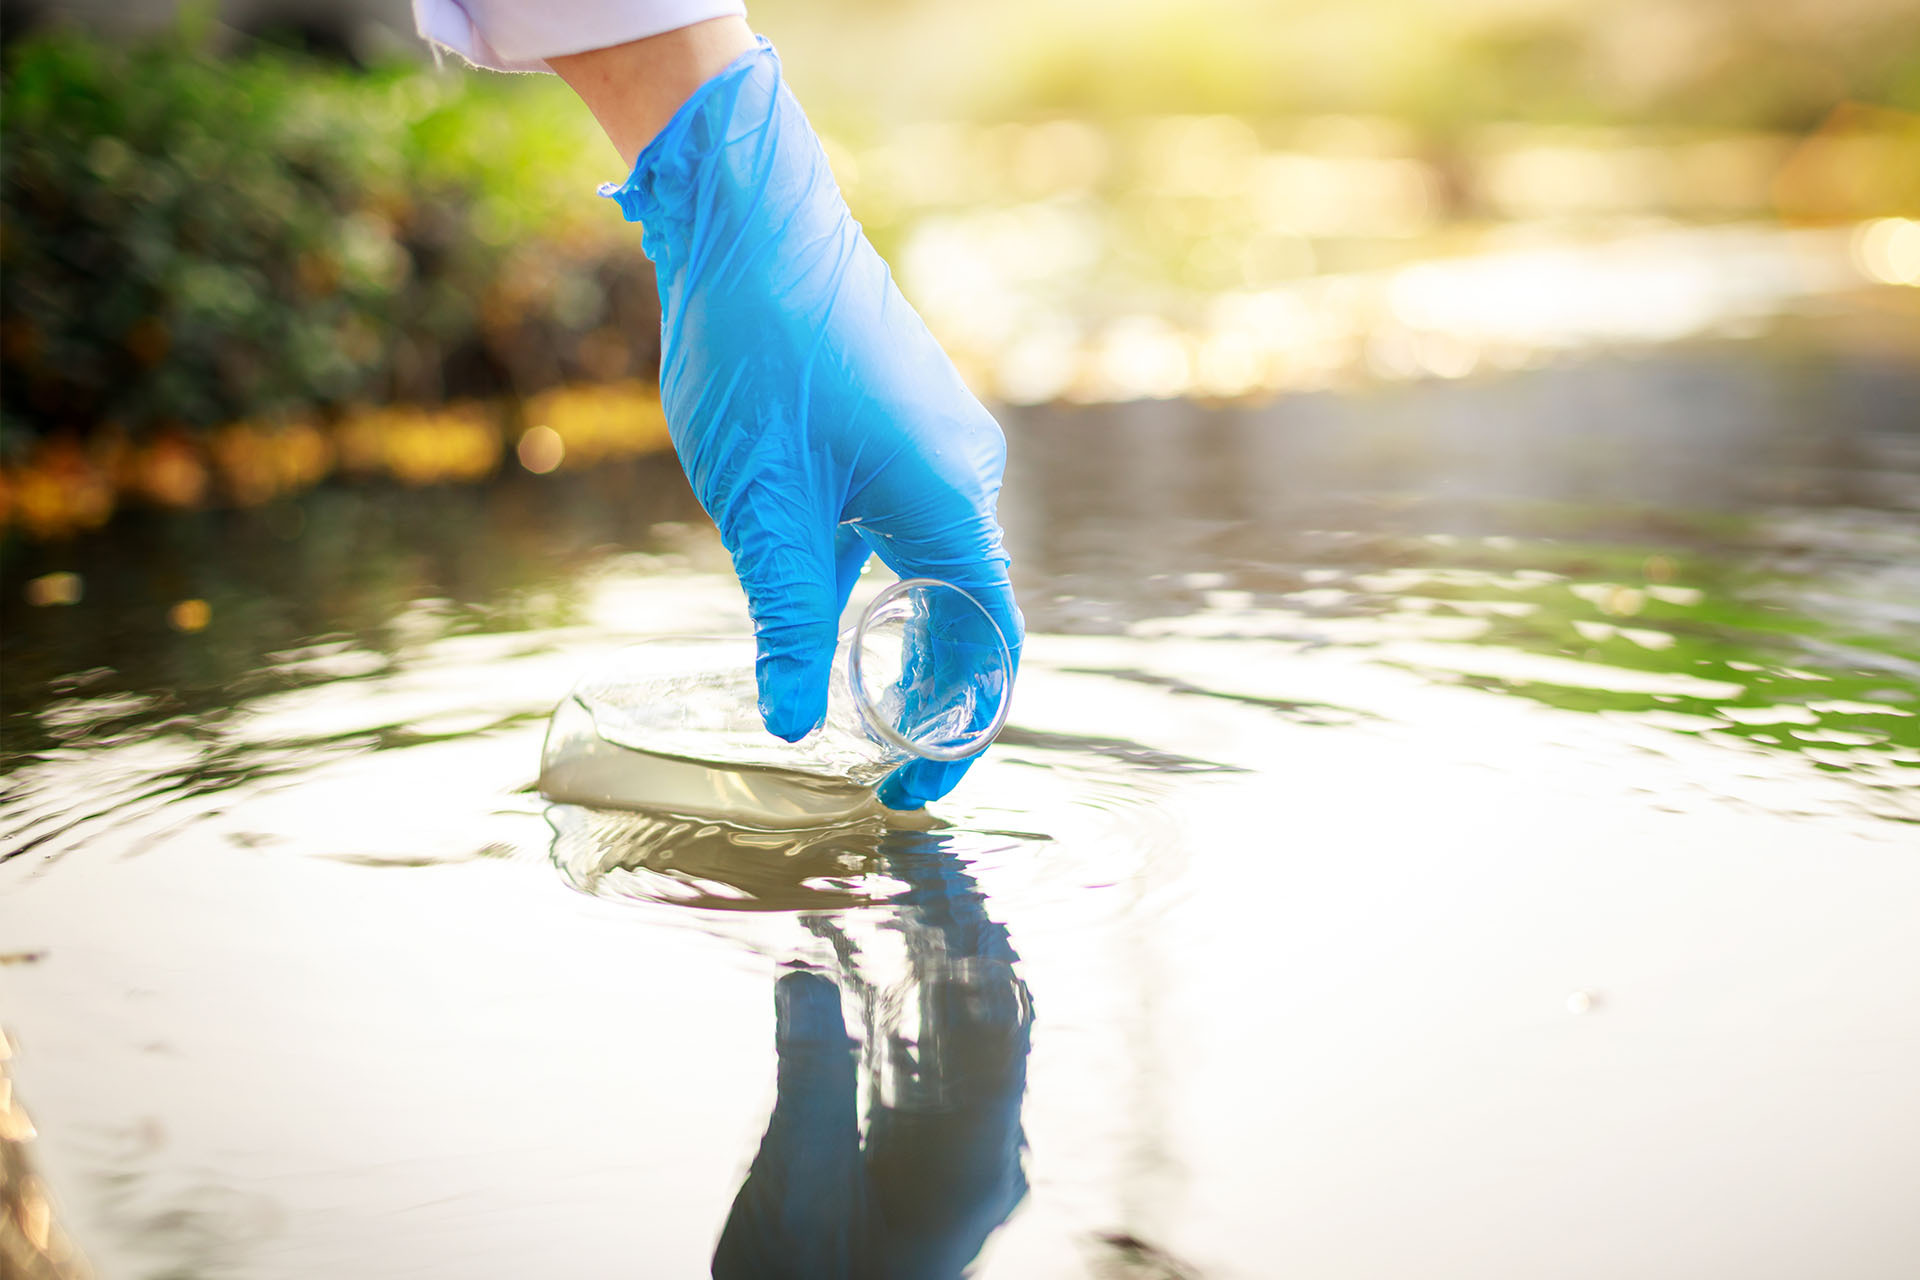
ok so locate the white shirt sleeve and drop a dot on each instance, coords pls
(520, 35)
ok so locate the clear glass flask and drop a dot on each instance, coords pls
(673, 724)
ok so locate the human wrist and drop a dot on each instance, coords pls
(634, 89)
(737, 163)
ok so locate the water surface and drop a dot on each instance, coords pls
(1465, 828)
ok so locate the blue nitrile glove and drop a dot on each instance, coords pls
(815, 415)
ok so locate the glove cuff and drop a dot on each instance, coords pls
(660, 190)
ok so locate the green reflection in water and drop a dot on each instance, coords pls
(1842, 696)
(341, 584)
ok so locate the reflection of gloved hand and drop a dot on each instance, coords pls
(815, 415)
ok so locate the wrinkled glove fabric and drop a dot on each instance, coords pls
(815, 415)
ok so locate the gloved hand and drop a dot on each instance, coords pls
(815, 415)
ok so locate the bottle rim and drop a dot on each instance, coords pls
(973, 744)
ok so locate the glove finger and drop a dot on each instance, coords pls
(916, 782)
(789, 576)
(961, 637)
(982, 575)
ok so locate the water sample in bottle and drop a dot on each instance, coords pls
(673, 724)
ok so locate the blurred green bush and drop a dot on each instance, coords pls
(188, 241)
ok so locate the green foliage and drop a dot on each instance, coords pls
(191, 240)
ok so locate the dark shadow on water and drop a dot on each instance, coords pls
(1316, 713)
(1124, 750)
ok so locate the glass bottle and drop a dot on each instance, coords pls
(673, 724)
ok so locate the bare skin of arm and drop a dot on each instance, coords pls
(633, 89)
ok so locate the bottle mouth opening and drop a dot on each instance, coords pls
(984, 635)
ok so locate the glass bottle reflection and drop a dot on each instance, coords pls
(937, 1065)
(945, 1058)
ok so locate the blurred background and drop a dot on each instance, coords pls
(255, 247)
(272, 281)
(1464, 488)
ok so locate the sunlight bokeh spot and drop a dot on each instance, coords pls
(190, 616)
(541, 450)
(1888, 250)
(56, 588)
